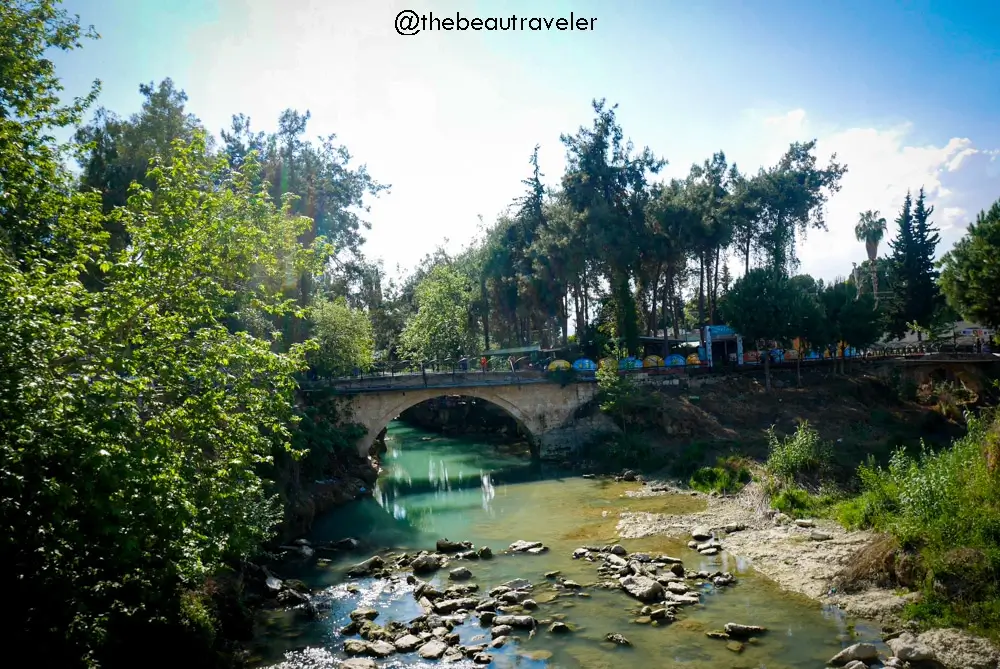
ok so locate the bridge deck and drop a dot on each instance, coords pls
(477, 379)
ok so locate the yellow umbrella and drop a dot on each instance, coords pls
(653, 361)
(559, 364)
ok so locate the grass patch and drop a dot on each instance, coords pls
(943, 510)
(799, 503)
(729, 475)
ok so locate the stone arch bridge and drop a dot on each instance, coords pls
(547, 410)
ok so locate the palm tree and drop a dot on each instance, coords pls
(870, 230)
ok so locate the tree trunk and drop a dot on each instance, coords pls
(701, 293)
(666, 298)
(715, 290)
(746, 256)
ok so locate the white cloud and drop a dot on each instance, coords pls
(882, 166)
(950, 216)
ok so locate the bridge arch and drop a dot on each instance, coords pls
(375, 413)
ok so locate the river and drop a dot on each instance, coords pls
(469, 490)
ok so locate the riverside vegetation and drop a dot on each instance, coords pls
(159, 308)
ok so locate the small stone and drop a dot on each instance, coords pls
(692, 544)
(858, 664)
(716, 634)
(618, 549)
(709, 551)
(482, 658)
(484, 552)
(735, 646)
(617, 639)
(529, 604)
(552, 574)
(816, 535)
(643, 620)
(559, 628)
(805, 522)
(498, 642)
(460, 574)
(570, 585)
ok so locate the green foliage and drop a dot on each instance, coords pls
(799, 503)
(344, 336)
(913, 279)
(970, 272)
(947, 505)
(729, 475)
(802, 455)
(132, 420)
(850, 318)
(440, 329)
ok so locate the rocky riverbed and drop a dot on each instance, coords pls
(508, 612)
(805, 556)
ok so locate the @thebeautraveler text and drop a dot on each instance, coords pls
(409, 22)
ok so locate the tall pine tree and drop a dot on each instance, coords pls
(916, 297)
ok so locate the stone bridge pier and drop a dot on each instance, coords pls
(547, 411)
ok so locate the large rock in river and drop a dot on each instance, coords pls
(424, 564)
(863, 652)
(524, 622)
(433, 649)
(642, 588)
(521, 546)
(367, 567)
(448, 546)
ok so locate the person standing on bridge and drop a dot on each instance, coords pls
(482, 363)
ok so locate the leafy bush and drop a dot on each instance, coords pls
(802, 454)
(728, 476)
(798, 503)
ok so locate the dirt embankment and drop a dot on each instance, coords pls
(861, 414)
(805, 559)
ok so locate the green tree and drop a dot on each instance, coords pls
(916, 296)
(850, 318)
(133, 419)
(30, 108)
(766, 309)
(792, 195)
(870, 230)
(440, 328)
(345, 337)
(970, 271)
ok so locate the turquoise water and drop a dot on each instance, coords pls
(469, 490)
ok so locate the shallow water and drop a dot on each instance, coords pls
(464, 489)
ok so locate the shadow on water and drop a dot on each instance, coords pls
(435, 487)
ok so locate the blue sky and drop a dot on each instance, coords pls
(907, 94)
